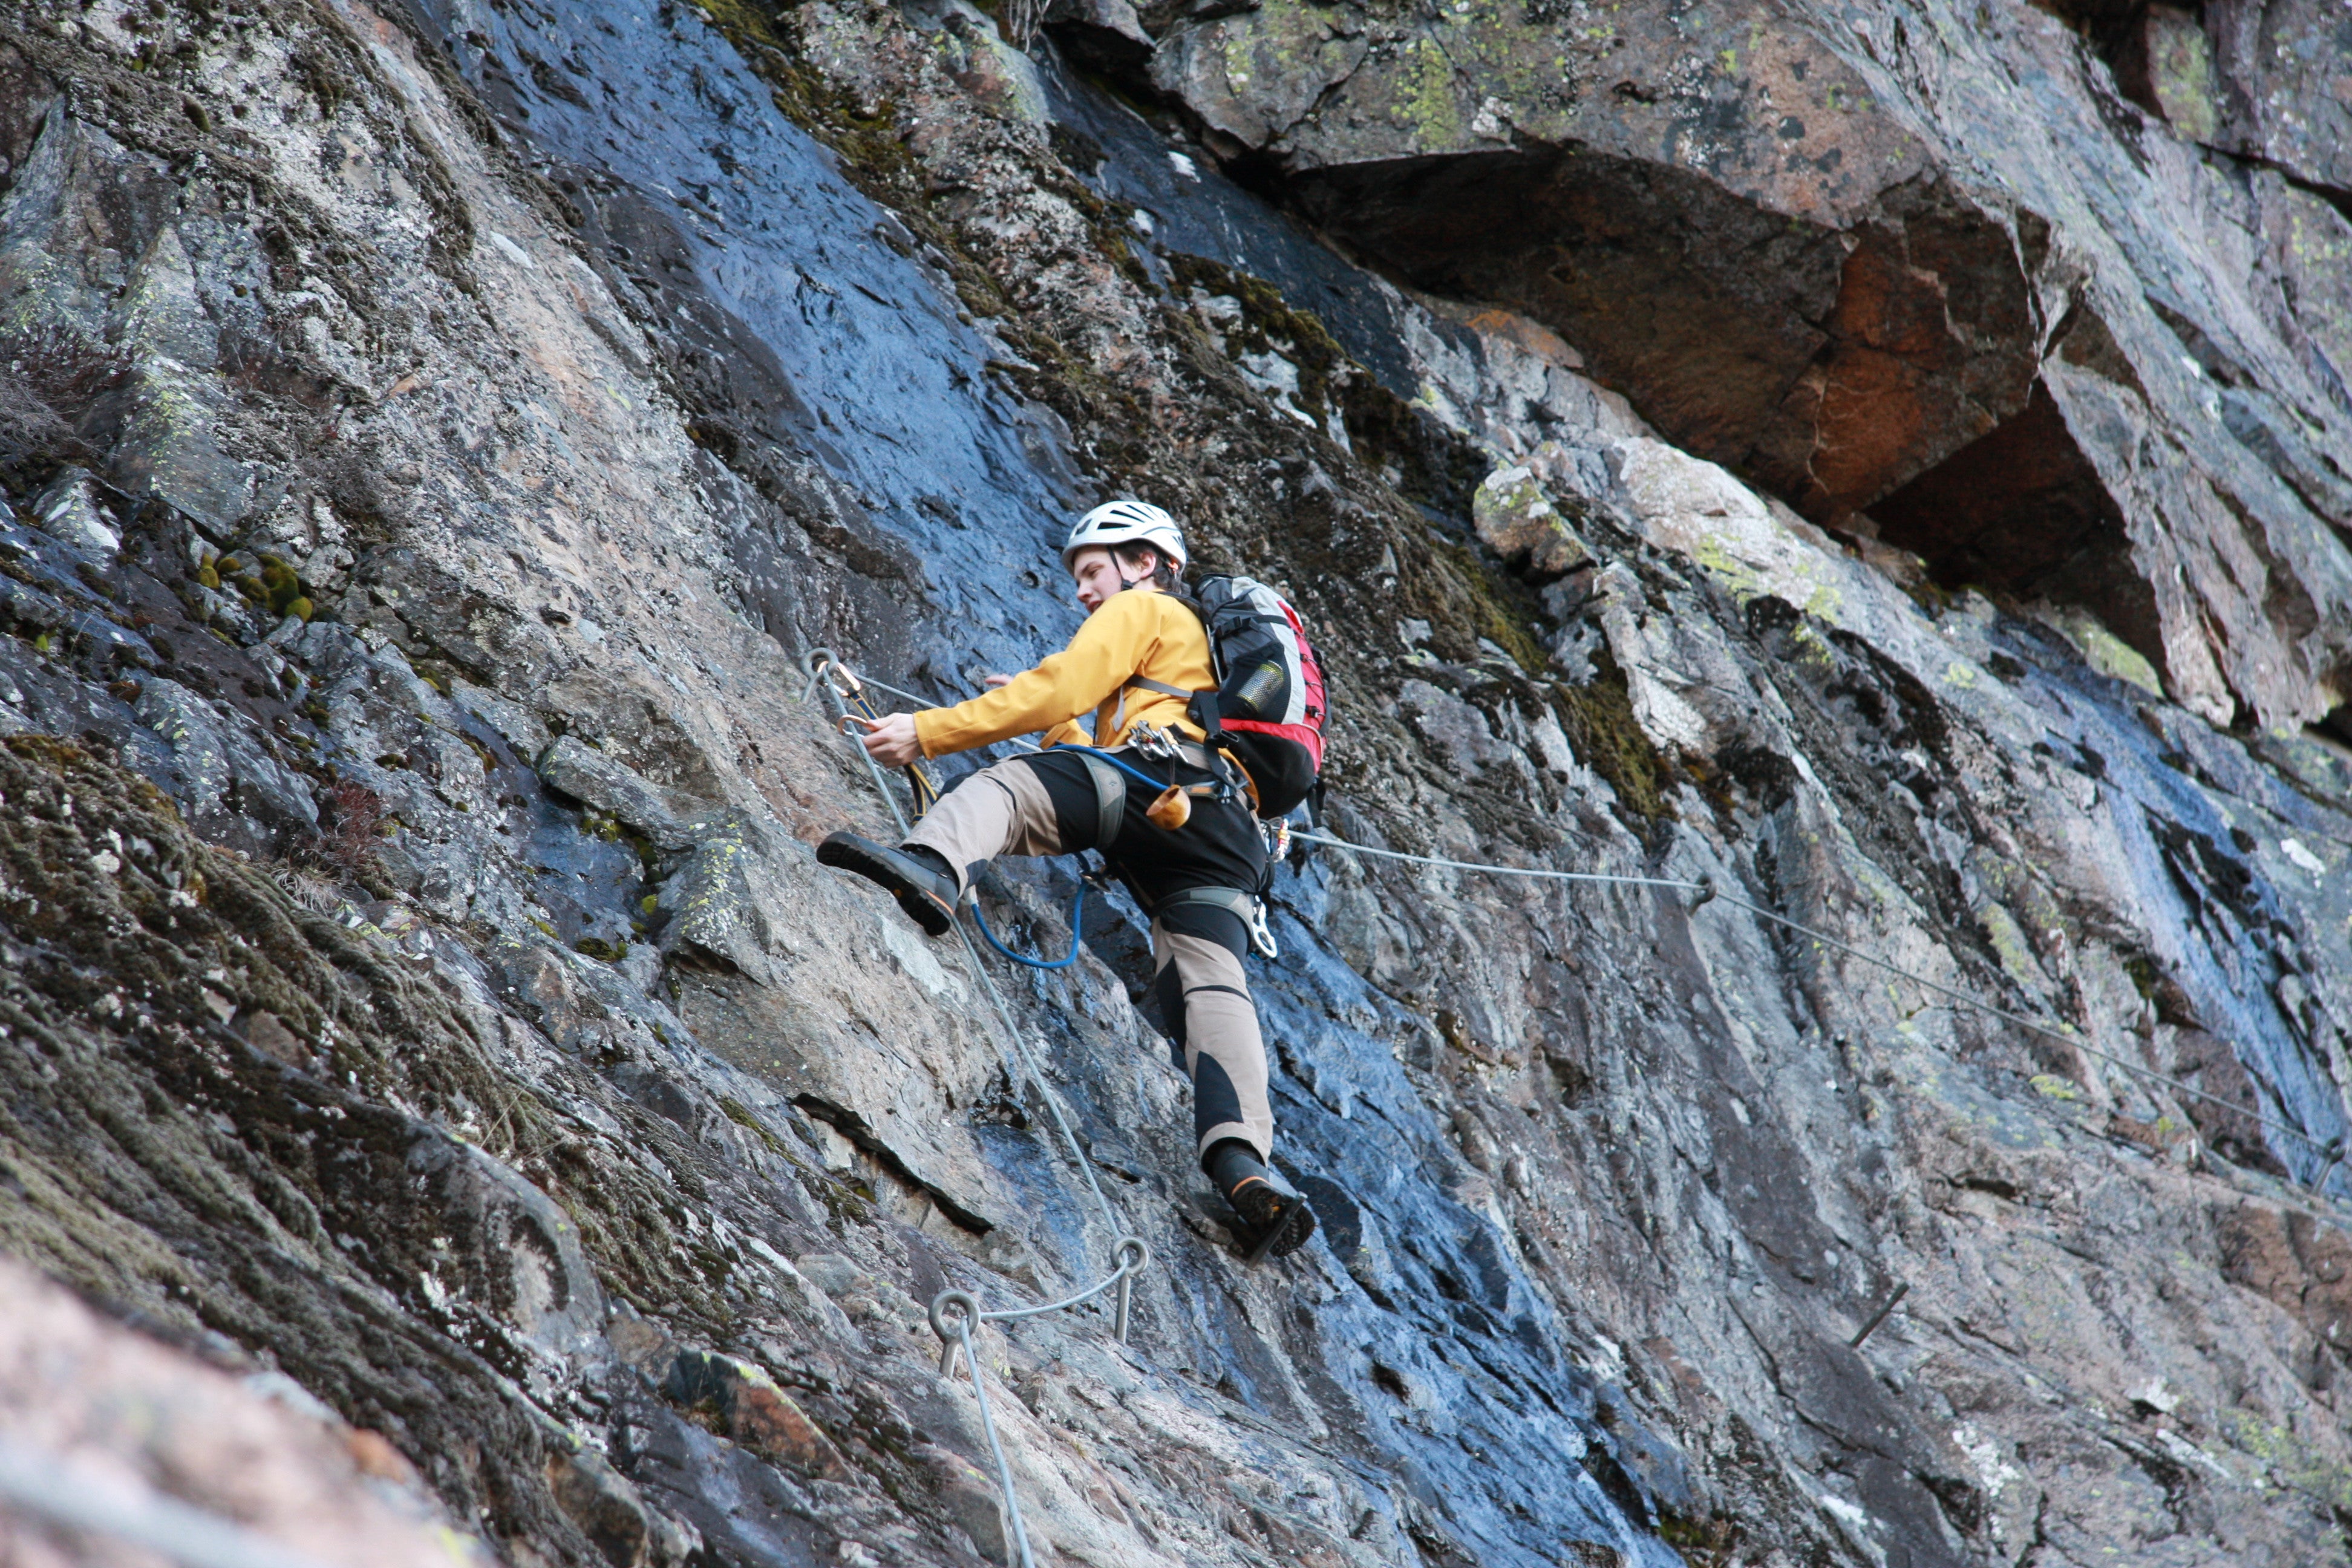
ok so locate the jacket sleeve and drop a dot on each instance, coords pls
(1108, 649)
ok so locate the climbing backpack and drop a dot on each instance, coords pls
(1268, 706)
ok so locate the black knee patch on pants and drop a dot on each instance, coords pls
(1210, 924)
(1214, 1100)
(1167, 1001)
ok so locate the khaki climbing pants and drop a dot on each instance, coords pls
(1059, 802)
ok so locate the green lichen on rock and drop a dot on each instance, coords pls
(2106, 652)
(1601, 723)
(1517, 519)
(2290, 1457)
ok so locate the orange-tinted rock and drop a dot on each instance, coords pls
(762, 1417)
(152, 1423)
(754, 1411)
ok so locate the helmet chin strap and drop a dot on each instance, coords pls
(1125, 582)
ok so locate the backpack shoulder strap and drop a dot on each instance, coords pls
(1145, 683)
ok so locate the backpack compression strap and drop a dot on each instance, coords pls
(1118, 719)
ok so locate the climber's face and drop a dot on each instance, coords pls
(1099, 574)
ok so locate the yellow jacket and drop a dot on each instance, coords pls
(1134, 633)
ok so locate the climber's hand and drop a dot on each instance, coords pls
(890, 740)
(992, 681)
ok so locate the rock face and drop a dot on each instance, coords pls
(1924, 272)
(1862, 464)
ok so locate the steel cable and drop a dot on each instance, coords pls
(964, 1321)
(1704, 887)
(955, 1313)
(1020, 1065)
(1133, 1254)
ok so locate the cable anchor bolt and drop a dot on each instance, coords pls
(953, 1334)
(1134, 1256)
(826, 665)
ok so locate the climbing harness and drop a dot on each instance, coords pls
(1249, 907)
(954, 1313)
(1705, 888)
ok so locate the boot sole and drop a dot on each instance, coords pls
(920, 905)
(1281, 1222)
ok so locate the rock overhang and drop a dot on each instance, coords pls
(1808, 246)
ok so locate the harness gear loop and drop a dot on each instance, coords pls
(1157, 744)
(1234, 782)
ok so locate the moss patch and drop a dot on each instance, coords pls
(1599, 723)
(1428, 463)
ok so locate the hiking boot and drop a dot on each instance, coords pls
(919, 878)
(1274, 1221)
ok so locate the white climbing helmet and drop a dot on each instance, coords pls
(1125, 522)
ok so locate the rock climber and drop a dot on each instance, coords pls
(1132, 666)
